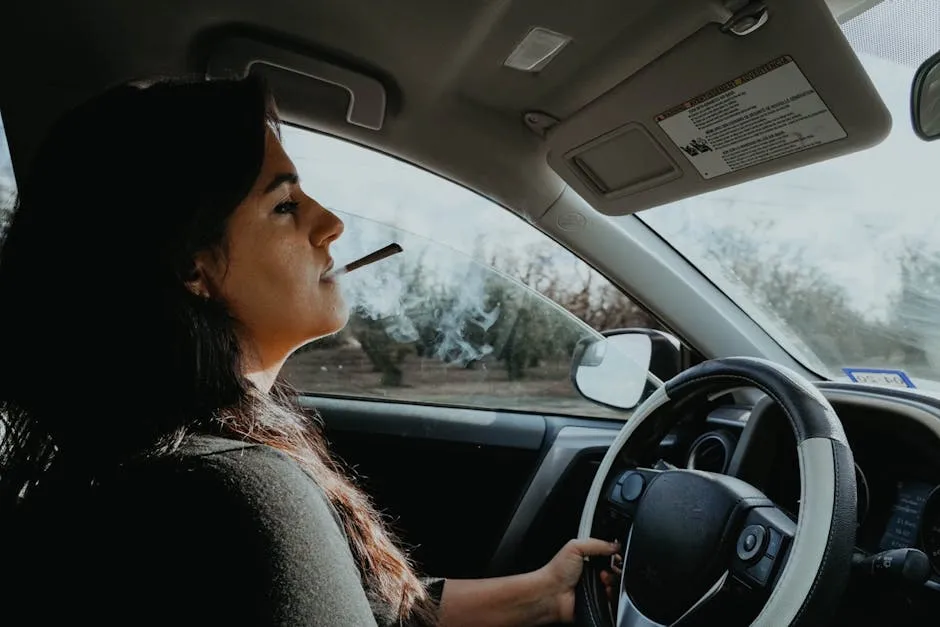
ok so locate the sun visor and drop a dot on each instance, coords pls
(721, 108)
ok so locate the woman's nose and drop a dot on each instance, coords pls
(327, 228)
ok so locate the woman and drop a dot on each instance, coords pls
(161, 266)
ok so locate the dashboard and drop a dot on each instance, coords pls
(897, 468)
(895, 438)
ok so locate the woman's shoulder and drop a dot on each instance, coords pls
(235, 530)
(238, 493)
(200, 445)
(241, 459)
(225, 469)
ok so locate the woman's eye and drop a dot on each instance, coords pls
(288, 206)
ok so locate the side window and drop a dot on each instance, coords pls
(480, 310)
(7, 181)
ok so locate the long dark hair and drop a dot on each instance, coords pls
(124, 192)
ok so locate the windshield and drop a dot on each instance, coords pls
(839, 261)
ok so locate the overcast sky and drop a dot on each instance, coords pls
(850, 217)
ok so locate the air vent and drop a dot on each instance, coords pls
(711, 452)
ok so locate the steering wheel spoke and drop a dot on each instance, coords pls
(629, 615)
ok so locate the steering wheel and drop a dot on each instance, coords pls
(693, 537)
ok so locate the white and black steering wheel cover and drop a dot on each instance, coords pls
(815, 575)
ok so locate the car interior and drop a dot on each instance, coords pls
(750, 479)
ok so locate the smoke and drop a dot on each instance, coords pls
(465, 315)
(402, 330)
(429, 294)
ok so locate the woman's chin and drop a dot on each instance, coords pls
(332, 323)
(341, 316)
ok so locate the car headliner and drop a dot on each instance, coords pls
(452, 105)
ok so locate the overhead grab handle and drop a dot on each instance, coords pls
(367, 95)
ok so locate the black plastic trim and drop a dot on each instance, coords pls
(485, 427)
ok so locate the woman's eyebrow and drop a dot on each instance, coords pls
(280, 179)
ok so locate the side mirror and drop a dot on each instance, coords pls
(624, 366)
(925, 99)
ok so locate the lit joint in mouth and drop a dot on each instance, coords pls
(379, 255)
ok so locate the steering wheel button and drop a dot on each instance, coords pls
(751, 542)
(632, 487)
(773, 544)
(761, 570)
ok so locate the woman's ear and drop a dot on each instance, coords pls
(198, 287)
(196, 280)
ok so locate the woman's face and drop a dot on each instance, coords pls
(270, 272)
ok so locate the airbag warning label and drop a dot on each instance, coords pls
(759, 116)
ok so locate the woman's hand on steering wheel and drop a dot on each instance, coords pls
(564, 570)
